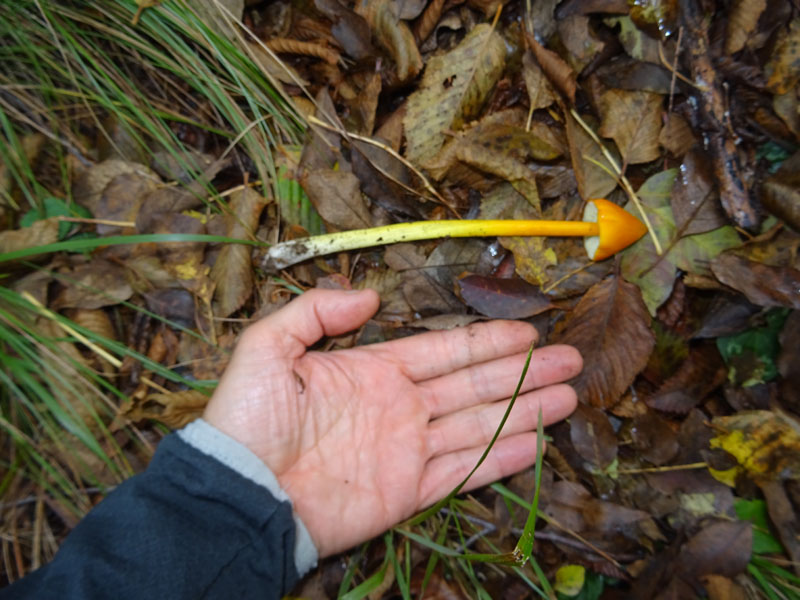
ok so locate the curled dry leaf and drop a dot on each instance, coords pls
(175, 409)
(453, 89)
(557, 70)
(349, 29)
(394, 35)
(742, 21)
(593, 436)
(633, 120)
(610, 327)
(503, 298)
(762, 284)
(233, 272)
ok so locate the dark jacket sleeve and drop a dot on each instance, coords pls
(189, 526)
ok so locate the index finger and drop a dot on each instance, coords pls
(437, 353)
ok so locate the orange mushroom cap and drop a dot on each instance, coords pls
(618, 228)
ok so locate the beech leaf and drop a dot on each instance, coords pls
(592, 171)
(633, 120)
(610, 327)
(453, 89)
(393, 34)
(742, 22)
(233, 270)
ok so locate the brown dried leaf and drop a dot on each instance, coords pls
(175, 409)
(393, 34)
(654, 438)
(349, 29)
(120, 201)
(42, 232)
(783, 69)
(783, 517)
(540, 92)
(676, 136)
(610, 327)
(762, 284)
(233, 271)
(453, 90)
(593, 436)
(423, 293)
(695, 201)
(557, 70)
(787, 361)
(337, 197)
(722, 588)
(722, 548)
(697, 377)
(93, 285)
(742, 20)
(385, 179)
(594, 181)
(89, 184)
(633, 120)
(503, 298)
(579, 39)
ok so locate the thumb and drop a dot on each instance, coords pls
(310, 316)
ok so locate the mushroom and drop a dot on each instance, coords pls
(606, 227)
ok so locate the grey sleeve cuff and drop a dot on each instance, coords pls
(211, 441)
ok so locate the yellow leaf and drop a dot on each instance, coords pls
(453, 89)
(570, 580)
(766, 444)
(783, 69)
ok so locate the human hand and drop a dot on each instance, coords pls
(363, 438)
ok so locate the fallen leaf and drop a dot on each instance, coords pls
(627, 73)
(633, 120)
(762, 284)
(610, 327)
(232, 272)
(742, 20)
(531, 254)
(592, 171)
(41, 233)
(695, 201)
(766, 444)
(540, 93)
(783, 69)
(654, 438)
(722, 548)
(557, 70)
(503, 298)
(580, 41)
(453, 89)
(676, 136)
(654, 274)
(89, 184)
(697, 377)
(175, 305)
(349, 29)
(394, 35)
(337, 197)
(385, 180)
(593, 436)
(723, 588)
(637, 43)
(175, 409)
(92, 285)
(423, 293)
(120, 201)
(790, 350)
(783, 516)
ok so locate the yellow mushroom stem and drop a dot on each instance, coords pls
(606, 227)
(288, 253)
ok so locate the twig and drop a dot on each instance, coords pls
(96, 221)
(698, 465)
(623, 181)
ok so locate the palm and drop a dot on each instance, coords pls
(362, 438)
